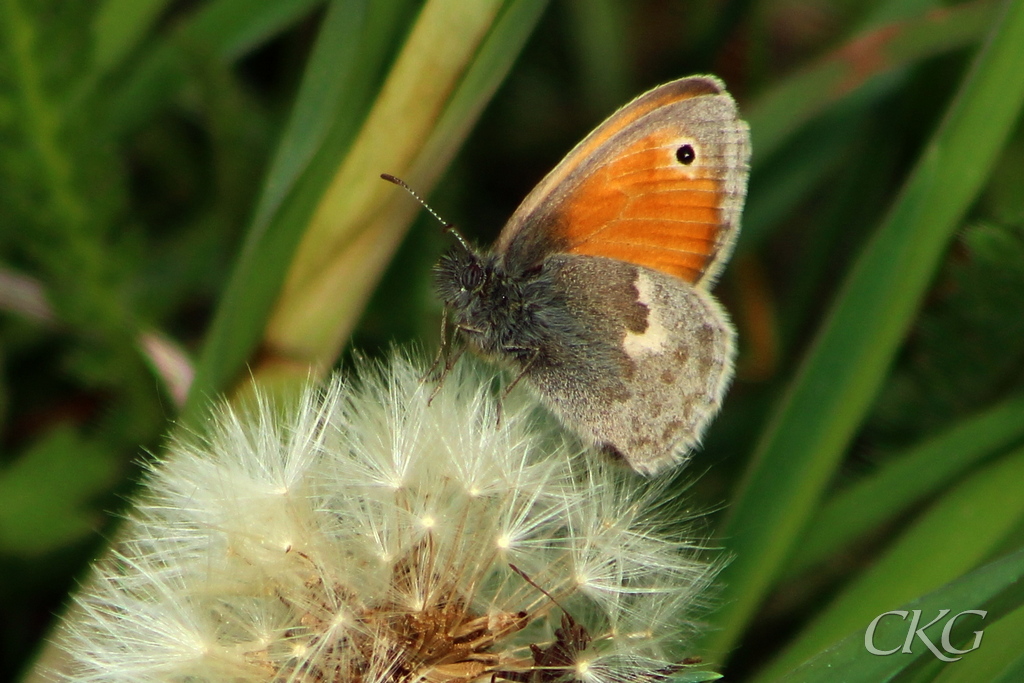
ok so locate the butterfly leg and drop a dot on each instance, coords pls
(526, 368)
(522, 373)
(450, 362)
(441, 349)
(451, 358)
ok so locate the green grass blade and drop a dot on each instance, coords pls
(337, 89)
(999, 657)
(996, 588)
(811, 428)
(433, 95)
(118, 28)
(779, 113)
(1013, 673)
(492, 62)
(226, 29)
(894, 10)
(955, 535)
(600, 39)
(846, 84)
(811, 156)
(905, 480)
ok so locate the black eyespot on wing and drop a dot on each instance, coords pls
(685, 155)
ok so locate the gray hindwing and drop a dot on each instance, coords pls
(650, 362)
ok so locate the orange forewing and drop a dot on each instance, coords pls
(646, 208)
(628, 115)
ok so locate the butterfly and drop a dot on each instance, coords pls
(597, 293)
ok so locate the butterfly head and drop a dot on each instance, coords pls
(496, 311)
(461, 277)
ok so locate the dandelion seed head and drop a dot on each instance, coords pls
(369, 535)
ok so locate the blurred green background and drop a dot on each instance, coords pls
(191, 187)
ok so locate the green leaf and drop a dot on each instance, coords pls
(904, 481)
(424, 111)
(845, 367)
(46, 492)
(226, 29)
(999, 655)
(61, 191)
(955, 535)
(337, 88)
(359, 220)
(996, 588)
(792, 102)
(967, 342)
(119, 26)
(1013, 673)
(847, 83)
(601, 41)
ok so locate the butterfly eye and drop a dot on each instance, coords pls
(685, 155)
(473, 276)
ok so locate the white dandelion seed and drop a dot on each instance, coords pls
(372, 536)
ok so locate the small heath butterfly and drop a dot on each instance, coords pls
(597, 292)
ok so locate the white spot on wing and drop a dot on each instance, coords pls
(654, 339)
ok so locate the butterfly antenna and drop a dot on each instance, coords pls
(446, 226)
